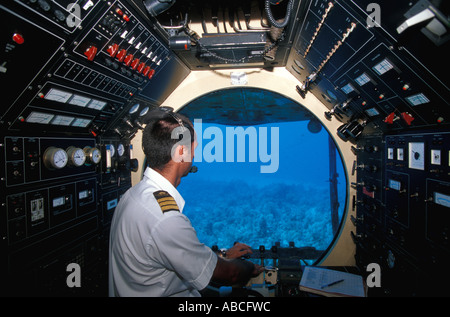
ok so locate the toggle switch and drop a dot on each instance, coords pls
(146, 71)
(151, 73)
(140, 68)
(112, 50)
(135, 63)
(121, 55)
(18, 38)
(90, 53)
(128, 59)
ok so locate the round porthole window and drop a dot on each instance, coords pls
(268, 173)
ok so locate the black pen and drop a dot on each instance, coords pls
(331, 284)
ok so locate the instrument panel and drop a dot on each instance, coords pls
(402, 218)
(368, 74)
(81, 72)
(80, 76)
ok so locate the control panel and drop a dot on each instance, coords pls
(402, 220)
(79, 76)
(91, 59)
(282, 274)
(372, 78)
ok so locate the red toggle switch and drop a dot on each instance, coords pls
(390, 118)
(140, 68)
(146, 70)
(112, 50)
(121, 55)
(151, 73)
(90, 53)
(18, 38)
(128, 59)
(407, 117)
(135, 63)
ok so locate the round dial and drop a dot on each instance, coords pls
(112, 149)
(93, 155)
(120, 149)
(76, 156)
(144, 111)
(134, 108)
(55, 158)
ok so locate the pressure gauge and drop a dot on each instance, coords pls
(77, 157)
(120, 149)
(55, 158)
(93, 155)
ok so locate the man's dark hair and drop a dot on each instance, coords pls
(157, 139)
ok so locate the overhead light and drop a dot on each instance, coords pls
(156, 7)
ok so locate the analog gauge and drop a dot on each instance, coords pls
(111, 149)
(134, 108)
(416, 155)
(93, 155)
(55, 158)
(58, 95)
(39, 117)
(120, 149)
(144, 111)
(76, 156)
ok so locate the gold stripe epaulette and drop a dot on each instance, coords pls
(165, 201)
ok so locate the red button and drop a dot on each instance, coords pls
(126, 18)
(90, 53)
(18, 38)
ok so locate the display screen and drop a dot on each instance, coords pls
(82, 123)
(348, 88)
(62, 120)
(418, 99)
(97, 104)
(372, 112)
(39, 117)
(58, 95)
(83, 194)
(363, 79)
(58, 201)
(383, 67)
(442, 199)
(393, 184)
(78, 100)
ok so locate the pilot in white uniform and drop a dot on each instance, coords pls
(154, 250)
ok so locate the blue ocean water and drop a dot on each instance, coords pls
(230, 200)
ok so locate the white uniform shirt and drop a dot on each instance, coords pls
(155, 253)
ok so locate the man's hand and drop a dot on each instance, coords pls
(257, 270)
(238, 250)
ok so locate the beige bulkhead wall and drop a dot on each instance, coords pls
(278, 80)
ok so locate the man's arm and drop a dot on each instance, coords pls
(231, 272)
